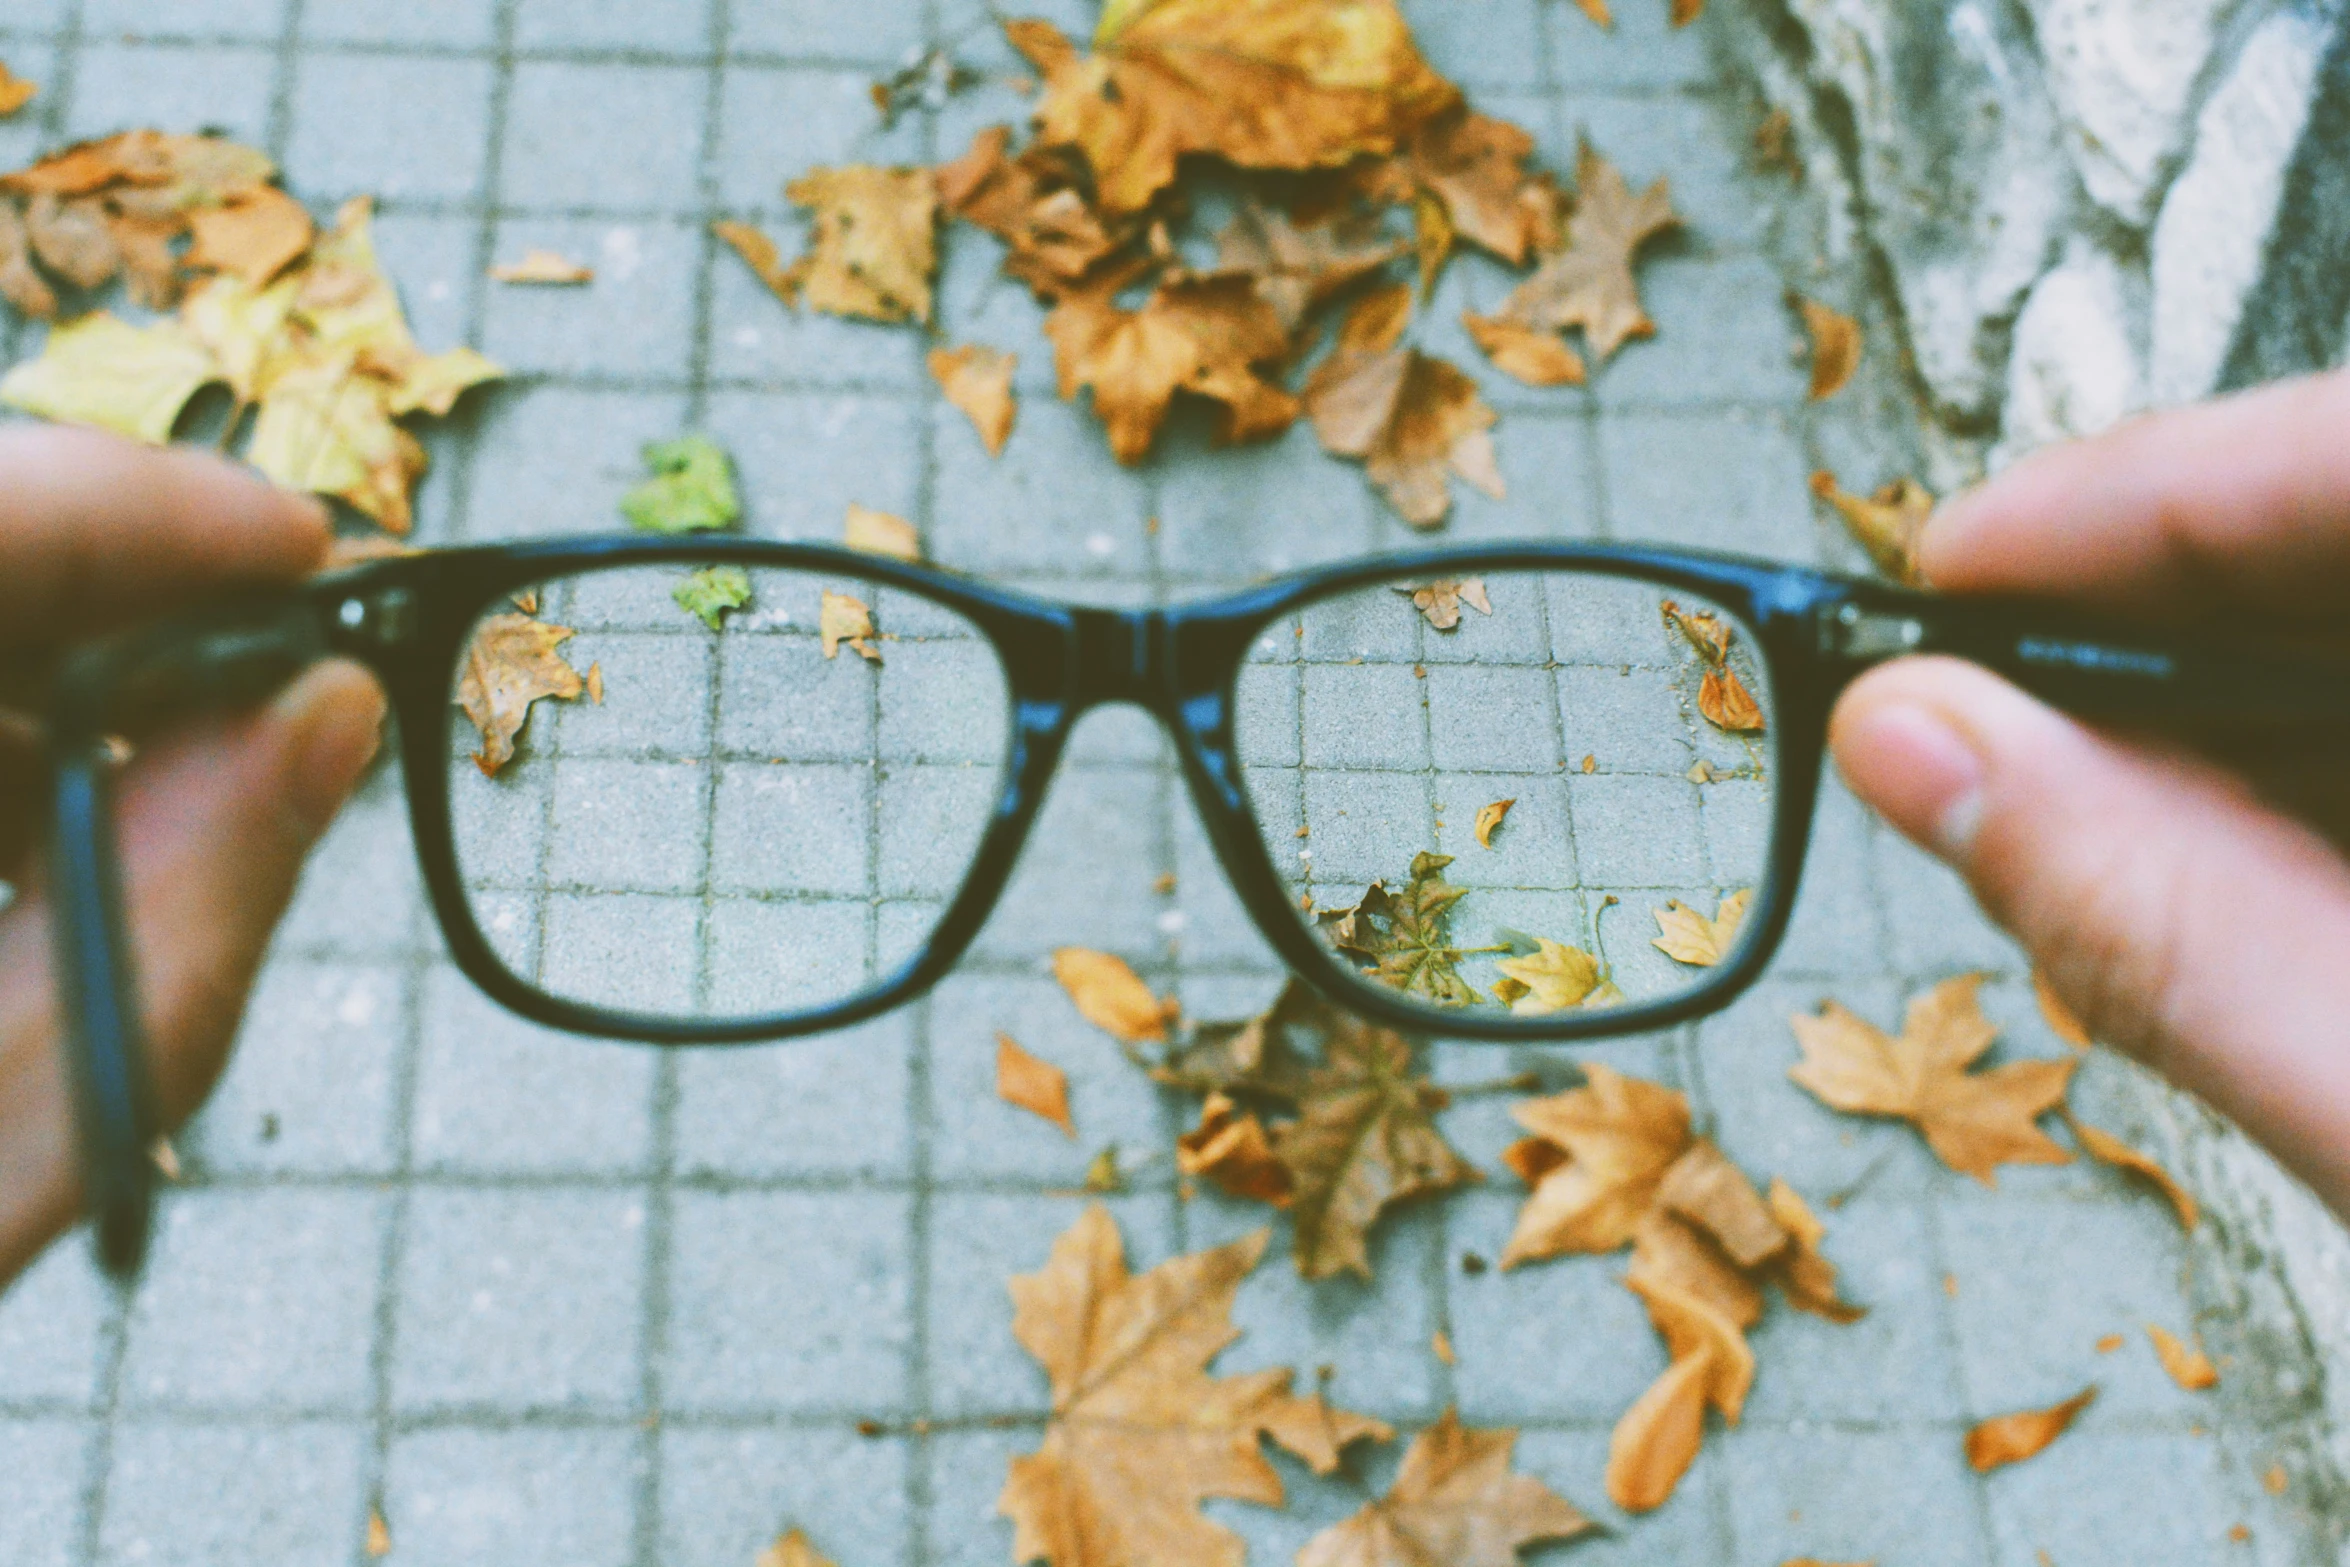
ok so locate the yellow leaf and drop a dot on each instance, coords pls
(379, 1535)
(434, 383)
(845, 619)
(978, 380)
(15, 91)
(544, 267)
(2009, 1439)
(2188, 1366)
(104, 372)
(875, 247)
(1656, 1440)
(244, 326)
(2057, 1015)
(1557, 977)
(2106, 1148)
(1027, 1083)
(324, 428)
(1454, 1502)
(1807, 1276)
(759, 253)
(1689, 937)
(348, 303)
(1489, 820)
(1835, 347)
(1110, 995)
(879, 533)
(793, 1550)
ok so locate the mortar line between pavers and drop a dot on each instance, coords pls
(281, 93)
(1929, 1211)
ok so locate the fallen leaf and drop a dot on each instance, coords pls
(1405, 940)
(15, 91)
(978, 380)
(1039, 204)
(759, 253)
(1441, 1346)
(1230, 1147)
(379, 1534)
(1556, 977)
(246, 328)
(255, 237)
(879, 533)
(1364, 1138)
(73, 239)
(1297, 269)
(875, 246)
(2275, 1480)
(1806, 1276)
(1441, 601)
(1255, 1056)
(1887, 524)
(691, 490)
(1489, 820)
(1033, 1085)
(1262, 84)
(1657, 1438)
(794, 1549)
(1673, 1253)
(1687, 936)
(325, 426)
(1207, 337)
(1835, 347)
(1974, 1121)
(1410, 418)
(2057, 1015)
(2109, 1343)
(1316, 1432)
(2009, 1439)
(2239, 1534)
(511, 662)
(348, 306)
(595, 683)
(711, 592)
(2188, 1366)
(21, 283)
(1726, 703)
(1598, 11)
(102, 371)
(1590, 283)
(1705, 1188)
(1102, 1177)
(845, 619)
(546, 267)
(1474, 168)
(2106, 1148)
(1110, 995)
(1454, 1502)
(1140, 1433)
(1530, 354)
(1702, 629)
(1620, 1136)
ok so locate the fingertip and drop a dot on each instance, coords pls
(1898, 749)
(336, 712)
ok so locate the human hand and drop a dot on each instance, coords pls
(95, 533)
(2171, 904)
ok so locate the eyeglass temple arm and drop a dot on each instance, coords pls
(129, 687)
(2096, 668)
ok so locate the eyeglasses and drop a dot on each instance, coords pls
(711, 791)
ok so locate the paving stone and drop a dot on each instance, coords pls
(1642, 50)
(556, 459)
(1895, 1364)
(727, 1495)
(2108, 1498)
(120, 85)
(1850, 1495)
(489, 1497)
(607, 138)
(809, 29)
(833, 1106)
(635, 319)
(1747, 490)
(397, 129)
(456, 24)
(642, 27)
(247, 21)
(776, 123)
(51, 1320)
(41, 1467)
(289, 1492)
(311, 1087)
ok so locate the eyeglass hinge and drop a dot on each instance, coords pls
(1850, 631)
(381, 621)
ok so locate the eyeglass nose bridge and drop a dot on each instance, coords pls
(1118, 655)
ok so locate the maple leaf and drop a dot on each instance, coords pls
(2009, 1439)
(712, 591)
(1620, 1136)
(544, 268)
(1110, 995)
(1231, 1148)
(72, 239)
(347, 303)
(1657, 1439)
(1472, 168)
(879, 533)
(1405, 940)
(1410, 418)
(245, 327)
(1296, 270)
(844, 619)
(1255, 1056)
(1553, 978)
(511, 662)
(21, 283)
(1033, 1085)
(1525, 353)
(1687, 936)
(2186, 1365)
(1039, 204)
(1807, 1277)
(875, 246)
(1441, 601)
(1262, 84)
(978, 380)
(1206, 337)
(1888, 524)
(691, 488)
(102, 371)
(759, 253)
(324, 427)
(1489, 820)
(256, 236)
(2108, 1149)
(1974, 1121)
(1364, 1138)
(1141, 1433)
(15, 91)
(1454, 1502)
(793, 1549)
(1835, 346)
(1590, 283)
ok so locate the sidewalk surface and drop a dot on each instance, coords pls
(546, 1301)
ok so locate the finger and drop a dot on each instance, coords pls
(97, 531)
(2181, 919)
(2237, 505)
(212, 829)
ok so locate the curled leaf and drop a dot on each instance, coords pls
(2009, 1439)
(1726, 703)
(2106, 1148)
(843, 619)
(1230, 1147)
(1888, 524)
(1489, 820)
(1528, 354)
(511, 663)
(1835, 347)
(544, 268)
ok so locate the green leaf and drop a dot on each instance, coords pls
(1405, 940)
(692, 488)
(105, 372)
(712, 591)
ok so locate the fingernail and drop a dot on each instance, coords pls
(1921, 775)
(336, 712)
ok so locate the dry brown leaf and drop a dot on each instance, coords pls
(1264, 84)
(1039, 204)
(2109, 1343)
(1472, 169)
(1408, 417)
(842, 619)
(547, 267)
(1296, 269)
(1803, 1272)
(1702, 629)
(1207, 337)
(2057, 1015)
(1231, 1148)
(2187, 1365)
(1726, 703)
(875, 246)
(1687, 936)
(1598, 11)
(512, 661)
(1590, 283)
(2009, 1439)
(880, 533)
(759, 253)
(1706, 1189)
(379, 1534)
(2106, 1148)
(1530, 354)
(255, 237)
(1835, 347)
(1441, 601)
(1657, 1439)
(15, 91)
(1110, 995)
(1317, 1432)
(1887, 524)
(794, 1549)
(1454, 1502)
(978, 380)
(595, 683)
(1671, 1253)
(1028, 1083)
(73, 239)
(21, 283)
(1974, 1121)
(1489, 820)
(1774, 142)
(1687, 11)
(1620, 1135)
(1141, 1434)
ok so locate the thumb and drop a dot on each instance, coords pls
(212, 829)
(2184, 922)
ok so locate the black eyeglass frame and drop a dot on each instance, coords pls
(409, 619)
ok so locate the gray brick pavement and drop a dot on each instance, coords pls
(546, 1300)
